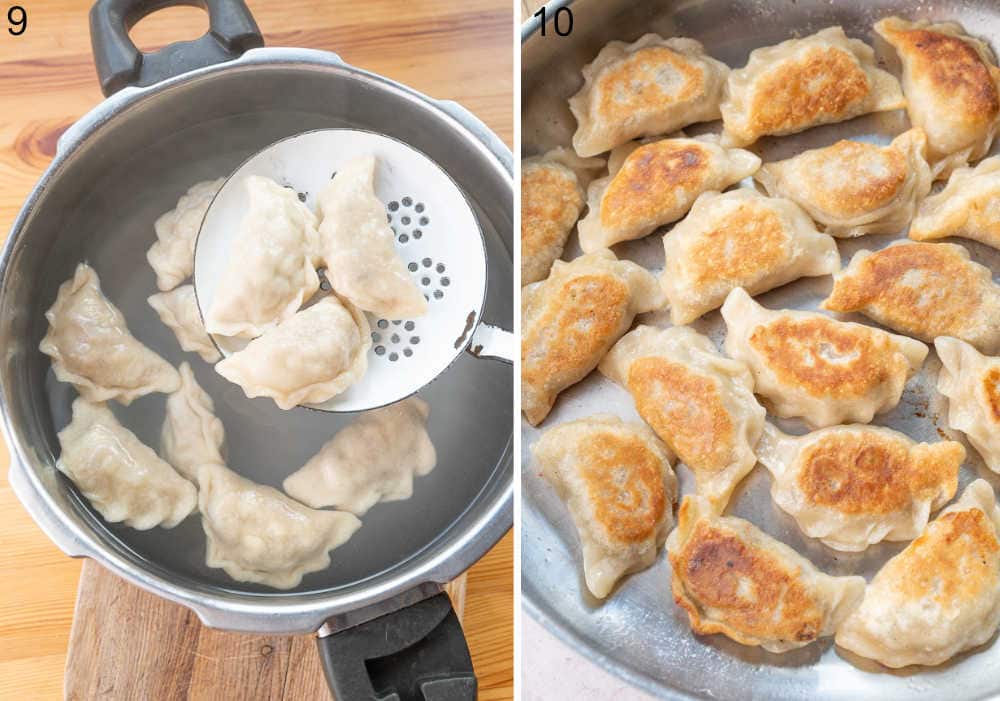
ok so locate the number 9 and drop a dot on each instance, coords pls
(18, 19)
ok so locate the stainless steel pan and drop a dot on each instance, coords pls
(193, 111)
(639, 633)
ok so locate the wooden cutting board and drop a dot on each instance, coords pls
(129, 644)
(459, 51)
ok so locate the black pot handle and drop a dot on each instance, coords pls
(231, 31)
(418, 653)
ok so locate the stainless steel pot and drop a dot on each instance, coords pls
(639, 633)
(193, 111)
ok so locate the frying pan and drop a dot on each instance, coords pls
(193, 111)
(638, 633)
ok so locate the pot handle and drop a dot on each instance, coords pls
(417, 653)
(231, 31)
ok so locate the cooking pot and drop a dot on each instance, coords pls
(194, 111)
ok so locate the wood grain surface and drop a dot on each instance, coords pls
(460, 51)
(172, 657)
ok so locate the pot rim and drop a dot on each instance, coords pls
(419, 574)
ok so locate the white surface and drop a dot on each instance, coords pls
(450, 238)
(551, 670)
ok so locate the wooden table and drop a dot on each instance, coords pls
(460, 51)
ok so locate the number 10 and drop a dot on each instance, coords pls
(562, 20)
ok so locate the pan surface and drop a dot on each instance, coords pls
(141, 152)
(638, 632)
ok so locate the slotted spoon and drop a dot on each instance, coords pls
(437, 235)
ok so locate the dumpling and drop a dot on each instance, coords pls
(552, 198)
(172, 255)
(373, 459)
(968, 206)
(924, 290)
(178, 309)
(938, 597)
(951, 84)
(813, 367)
(359, 249)
(971, 382)
(739, 239)
(616, 480)
(657, 184)
(853, 486)
(271, 269)
(314, 356)
(571, 319)
(121, 477)
(257, 534)
(802, 83)
(192, 435)
(854, 188)
(92, 348)
(734, 579)
(698, 401)
(650, 87)
(617, 155)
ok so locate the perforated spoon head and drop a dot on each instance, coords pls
(437, 235)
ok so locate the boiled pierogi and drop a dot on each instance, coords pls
(119, 475)
(358, 246)
(272, 264)
(616, 480)
(257, 534)
(310, 358)
(92, 348)
(172, 255)
(178, 309)
(698, 401)
(373, 459)
(853, 486)
(192, 434)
